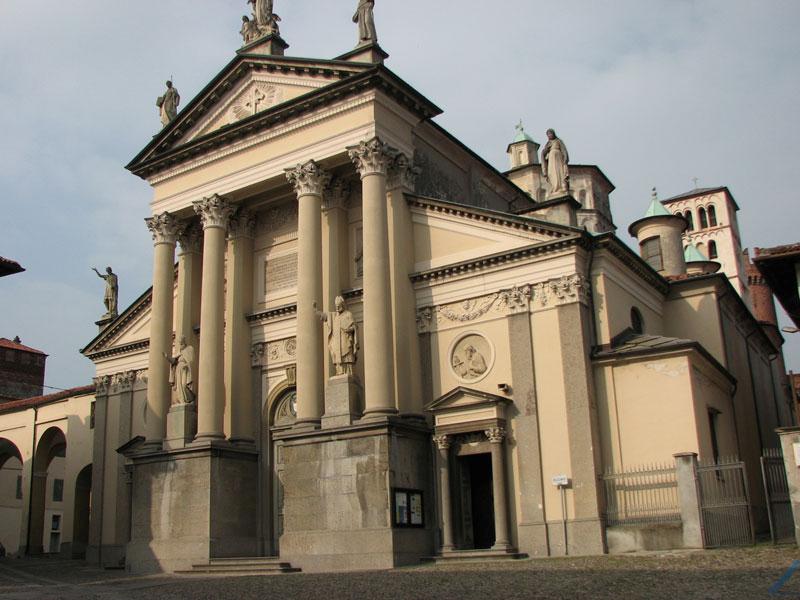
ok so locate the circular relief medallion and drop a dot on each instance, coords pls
(471, 357)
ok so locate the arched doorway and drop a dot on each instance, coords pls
(81, 512)
(52, 445)
(11, 494)
(280, 413)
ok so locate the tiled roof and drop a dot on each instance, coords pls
(778, 250)
(36, 401)
(12, 345)
(629, 342)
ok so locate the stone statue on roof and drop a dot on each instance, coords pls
(366, 22)
(110, 299)
(554, 165)
(168, 104)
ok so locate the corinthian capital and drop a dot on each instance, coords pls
(403, 173)
(372, 157)
(190, 237)
(243, 224)
(308, 179)
(164, 228)
(495, 435)
(442, 441)
(215, 211)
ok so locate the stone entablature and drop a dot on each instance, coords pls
(539, 296)
(124, 381)
(274, 353)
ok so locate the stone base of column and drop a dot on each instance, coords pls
(339, 486)
(309, 425)
(379, 414)
(181, 426)
(342, 397)
(206, 501)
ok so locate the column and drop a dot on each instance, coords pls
(238, 304)
(214, 214)
(335, 256)
(496, 436)
(443, 444)
(689, 499)
(187, 308)
(309, 180)
(164, 228)
(372, 159)
(407, 365)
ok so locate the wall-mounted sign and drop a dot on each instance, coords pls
(407, 508)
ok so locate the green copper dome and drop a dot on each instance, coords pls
(692, 254)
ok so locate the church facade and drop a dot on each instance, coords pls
(396, 351)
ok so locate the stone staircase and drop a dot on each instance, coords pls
(263, 565)
(456, 556)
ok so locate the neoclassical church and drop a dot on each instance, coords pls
(495, 350)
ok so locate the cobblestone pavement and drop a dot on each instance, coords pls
(744, 573)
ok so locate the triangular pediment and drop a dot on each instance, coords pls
(461, 397)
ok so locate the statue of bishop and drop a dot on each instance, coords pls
(342, 334)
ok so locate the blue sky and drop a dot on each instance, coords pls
(655, 93)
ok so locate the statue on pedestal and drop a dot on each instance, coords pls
(180, 374)
(264, 21)
(366, 22)
(112, 291)
(342, 334)
(555, 159)
(168, 105)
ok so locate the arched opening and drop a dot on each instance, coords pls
(701, 248)
(689, 219)
(637, 322)
(11, 494)
(48, 462)
(712, 216)
(703, 218)
(712, 250)
(279, 413)
(81, 512)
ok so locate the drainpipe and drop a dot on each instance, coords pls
(30, 483)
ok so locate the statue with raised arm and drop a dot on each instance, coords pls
(112, 291)
(555, 161)
(342, 334)
(168, 104)
(180, 374)
(366, 22)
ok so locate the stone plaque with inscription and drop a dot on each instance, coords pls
(280, 273)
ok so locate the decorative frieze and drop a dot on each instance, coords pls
(274, 352)
(518, 299)
(123, 382)
(163, 227)
(308, 179)
(214, 211)
(372, 157)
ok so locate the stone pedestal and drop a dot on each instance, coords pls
(104, 321)
(192, 505)
(181, 426)
(270, 44)
(342, 401)
(561, 211)
(366, 53)
(337, 490)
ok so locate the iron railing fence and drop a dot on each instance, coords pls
(776, 488)
(642, 495)
(725, 503)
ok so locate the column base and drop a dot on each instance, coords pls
(379, 414)
(242, 442)
(209, 437)
(503, 546)
(150, 446)
(306, 425)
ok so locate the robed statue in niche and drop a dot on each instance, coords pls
(181, 376)
(342, 333)
(365, 18)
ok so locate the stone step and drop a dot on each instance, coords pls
(475, 556)
(256, 565)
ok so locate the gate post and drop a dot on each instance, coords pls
(789, 437)
(689, 499)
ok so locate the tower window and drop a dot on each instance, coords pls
(712, 249)
(703, 218)
(689, 219)
(651, 253)
(712, 215)
(637, 322)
